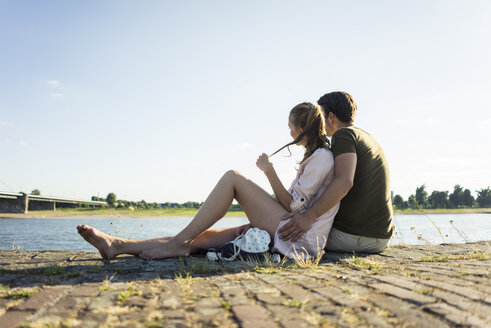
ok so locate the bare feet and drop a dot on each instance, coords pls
(166, 249)
(100, 240)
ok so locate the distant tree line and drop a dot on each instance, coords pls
(112, 201)
(459, 198)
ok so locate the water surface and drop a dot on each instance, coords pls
(61, 233)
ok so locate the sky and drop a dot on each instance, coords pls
(155, 100)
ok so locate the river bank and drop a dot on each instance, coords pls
(190, 212)
(405, 286)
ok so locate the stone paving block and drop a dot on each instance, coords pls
(341, 298)
(373, 320)
(104, 300)
(252, 316)
(174, 314)
(259, 287)
(410, 313)
(284, 311)
(88, 290)
(403, 293)
(477, 308)
(170, 302)
(43, 298)
(295, 324)
(398, 282)
(456, 316)
(466, 292)
(296, 292)
(13, 318)
(271, 298)
(323, 308)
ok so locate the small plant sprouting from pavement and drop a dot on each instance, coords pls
(305, 261)
(54, 270)
(17, 294)
(460, 232)
(421, 209)
(435, 259)
(361, 263)
(106, 283)
(185, 280)
(125, 295)
(14, 248)
(294, 303)
(424, 291)
(225, 305)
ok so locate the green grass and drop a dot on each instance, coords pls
(293, 303)
(18, 294)
(74, 274)
(435, 259)
(54, 270)
(424, 291)
(4, 287)
(361, 263)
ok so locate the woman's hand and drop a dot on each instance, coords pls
(263, 163)
(242, 229)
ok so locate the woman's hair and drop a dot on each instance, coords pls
(310, 119)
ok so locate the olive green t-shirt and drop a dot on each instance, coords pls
(367, 209)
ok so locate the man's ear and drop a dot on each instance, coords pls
(300, 130)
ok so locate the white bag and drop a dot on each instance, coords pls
(253, 241)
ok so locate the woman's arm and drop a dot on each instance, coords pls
(265, 165)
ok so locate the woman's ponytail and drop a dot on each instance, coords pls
(310, 119)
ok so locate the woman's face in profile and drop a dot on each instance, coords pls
(294, 132)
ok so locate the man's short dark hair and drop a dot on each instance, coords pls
(340, 104)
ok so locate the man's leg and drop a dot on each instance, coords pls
(343, 242)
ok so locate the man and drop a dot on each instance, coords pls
(361, 183)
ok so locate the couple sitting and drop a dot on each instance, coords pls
(341, 193)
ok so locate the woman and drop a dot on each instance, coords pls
(307, 128)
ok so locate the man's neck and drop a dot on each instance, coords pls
(340, 125)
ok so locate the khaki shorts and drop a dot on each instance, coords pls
(343, 242)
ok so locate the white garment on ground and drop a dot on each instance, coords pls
(313, 177)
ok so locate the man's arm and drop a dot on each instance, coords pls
(344, 174)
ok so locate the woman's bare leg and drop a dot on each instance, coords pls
(109, 247)
(261, 209)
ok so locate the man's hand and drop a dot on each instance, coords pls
(298, 225)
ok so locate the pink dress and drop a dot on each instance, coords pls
(313, 177)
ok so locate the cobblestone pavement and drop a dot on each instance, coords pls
(406, 286)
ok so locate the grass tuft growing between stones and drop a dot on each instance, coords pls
(4, 287)
(292, 302)
(18, 294)
(361, 263)
(54, 270)
(424, 291)
(435, 259)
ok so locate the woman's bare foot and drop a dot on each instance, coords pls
(100, 240)
(166, 249)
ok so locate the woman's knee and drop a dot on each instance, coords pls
(232, 174)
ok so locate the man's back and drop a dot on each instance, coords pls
(367, 209)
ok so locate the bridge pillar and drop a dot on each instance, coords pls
(54, 206)
(24, 202)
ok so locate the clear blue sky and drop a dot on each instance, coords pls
(155, 100)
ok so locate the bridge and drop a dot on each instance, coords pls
(22, 203)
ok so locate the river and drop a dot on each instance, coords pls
(61, 234)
